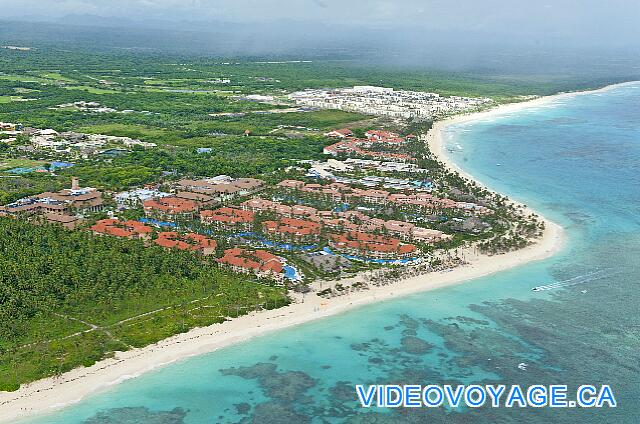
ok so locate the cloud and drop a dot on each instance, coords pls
(615, 20)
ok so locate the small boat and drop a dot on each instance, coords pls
(498, 164)
(580, 279)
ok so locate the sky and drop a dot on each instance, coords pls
(464, 33)
(613, 21)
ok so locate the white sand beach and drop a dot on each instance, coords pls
(53, 393)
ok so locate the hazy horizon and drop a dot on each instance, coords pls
(548, 36)
(573, 21)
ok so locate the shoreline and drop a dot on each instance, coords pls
(54, 393)
(436, 142)
(51, 394)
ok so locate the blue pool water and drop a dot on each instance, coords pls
(576, 160)
(375, 261)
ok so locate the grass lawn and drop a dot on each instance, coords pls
(57, 77)
(168, 81)
(262, 124)
(23, 78)
(9, 99)
(92, 90)
(323, 119)
(154, 135)
(10, 163)
(23, 90)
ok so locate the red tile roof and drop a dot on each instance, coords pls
(171, 205)
(366, 242)
(191, 241)
(258, 260)
(291, 183)
(228, 215)
(381, 134)
(346, 132)
(356, 145)
(119, 228)
(292, 226)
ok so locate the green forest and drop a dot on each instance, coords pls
(65, 296)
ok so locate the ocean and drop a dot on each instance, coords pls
(577, 161)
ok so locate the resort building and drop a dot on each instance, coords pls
(300, 211)
(10, 128)
(80, 144)
(195, 186)
(75, 200)
(200, 199)
(345, 221)
(35, 205)
(376, 197)
(126, 229)
(332, 192)
(191, 242)
(261, 205)
(134, 198)
(408, 231)
(259, 262)
(327, 262)
(381, 135)
(338, 192)
(342, 133)
(354, 147)
(346, 172)
(222, 188)
(292, 229)
(385, 101)
(427, 235)
(427, 203)
(371, 246)
(69, 222)
(291, 185)
(170, 208)
(228, 219)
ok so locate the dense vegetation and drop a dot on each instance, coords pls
(70, 298)
(185, 103)
(65, 296)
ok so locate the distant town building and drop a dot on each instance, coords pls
(385, 101)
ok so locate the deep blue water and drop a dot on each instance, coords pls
(575, 160)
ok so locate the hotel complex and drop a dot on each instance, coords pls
(360, 204)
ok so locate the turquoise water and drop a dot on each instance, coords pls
(577, 161)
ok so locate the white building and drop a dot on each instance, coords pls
(132, 198)
(386, 101)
